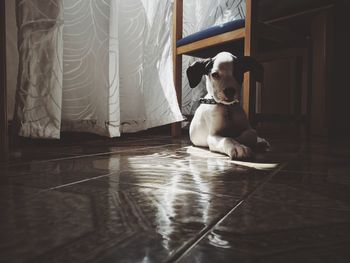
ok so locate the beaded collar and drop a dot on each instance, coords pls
(207, 101)
(212, 101)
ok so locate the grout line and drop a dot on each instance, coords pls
(6, 164)
(42, 191)
(268, 178)
(76, 182)
(84, 156)
(305, 172)
(118, 145)
(187, 247)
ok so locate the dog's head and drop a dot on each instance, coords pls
(224, 75)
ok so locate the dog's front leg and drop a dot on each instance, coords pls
(248, 137)
(219, 143)
(228, 146)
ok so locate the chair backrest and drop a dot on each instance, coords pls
(249, 35)
(251, 14)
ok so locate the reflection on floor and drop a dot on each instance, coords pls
(158, 199)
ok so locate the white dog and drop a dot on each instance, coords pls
(220, 122)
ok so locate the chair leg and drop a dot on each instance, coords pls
(304, 66)
(298, 93)
(245, 94)
(309, 60)
(176, 127)
(249, 97)
(252, 102)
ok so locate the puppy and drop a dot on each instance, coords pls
(220, 123)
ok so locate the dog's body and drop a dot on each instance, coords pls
(223, 125)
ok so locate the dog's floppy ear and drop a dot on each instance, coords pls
(246, 63)
(197, 69)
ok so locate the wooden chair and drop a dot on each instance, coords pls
(241, 35)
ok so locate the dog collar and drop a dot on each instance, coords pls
(207, 101)
(212, 101)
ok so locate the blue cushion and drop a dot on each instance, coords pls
(211, 31)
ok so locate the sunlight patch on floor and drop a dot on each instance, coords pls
(205, 153)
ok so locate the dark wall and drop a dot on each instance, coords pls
(340, 119)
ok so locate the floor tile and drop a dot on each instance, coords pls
(48, 174)
(36, 150)
(280, 223)
(334, 185)
(93, 221)
(317, 158)
(158, 199)
(165, 166)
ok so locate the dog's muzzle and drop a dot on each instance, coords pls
(229, 94)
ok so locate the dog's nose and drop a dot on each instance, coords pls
(229, 93)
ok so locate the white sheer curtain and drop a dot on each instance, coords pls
(102, 66)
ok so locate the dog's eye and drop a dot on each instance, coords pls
(215, 75)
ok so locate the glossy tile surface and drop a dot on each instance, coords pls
(301, 214)
(156, 199)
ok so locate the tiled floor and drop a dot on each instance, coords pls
(157, 199)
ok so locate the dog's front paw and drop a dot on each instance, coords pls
(262, 144)
(240, 151)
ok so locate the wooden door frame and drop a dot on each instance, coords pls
(177, 61)
(4, 151)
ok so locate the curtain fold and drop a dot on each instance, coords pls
(90, 99)
(146, 79)
(97, 66)
(39, 84)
